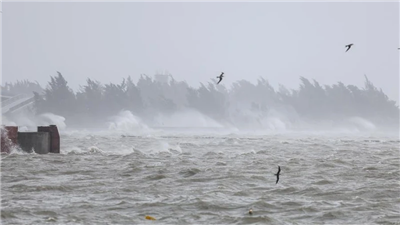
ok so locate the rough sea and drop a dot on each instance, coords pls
(205, 176)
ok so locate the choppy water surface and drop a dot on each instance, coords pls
(205, 179)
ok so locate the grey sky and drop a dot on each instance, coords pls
(196, 41)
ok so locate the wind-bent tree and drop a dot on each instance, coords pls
(58, 97)
(95, 102)
(134, 99)
(21, 87)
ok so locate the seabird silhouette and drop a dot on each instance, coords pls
(348, 46)
(277, 174)
(251, 211)
(220, 77)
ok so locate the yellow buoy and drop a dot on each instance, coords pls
(150, 218)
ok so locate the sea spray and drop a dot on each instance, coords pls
(47, 119)
(362, 124)
(128, 124)
(249, 119)
(186, 118)
(27, 122)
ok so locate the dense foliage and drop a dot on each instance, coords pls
(20, 87)
(95, 102)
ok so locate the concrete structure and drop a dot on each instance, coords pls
(38, 142)
(45, 140)
(9, 137)
(13, 134)
(54, 137)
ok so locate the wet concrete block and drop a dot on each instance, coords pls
(9, 136)
(54, 137)
(38, 141)
(12, 133)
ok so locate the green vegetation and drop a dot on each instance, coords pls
(95, 102)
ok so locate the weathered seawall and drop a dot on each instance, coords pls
(45, 140)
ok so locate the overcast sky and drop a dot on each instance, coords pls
(197, 41)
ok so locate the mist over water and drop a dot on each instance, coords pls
(189, 120)
(185, 119)
(125, 121)
(200, 176)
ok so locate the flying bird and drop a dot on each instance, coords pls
(277, 174)
(220, 77)
(348, 46)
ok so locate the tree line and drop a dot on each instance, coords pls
(94, 102)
